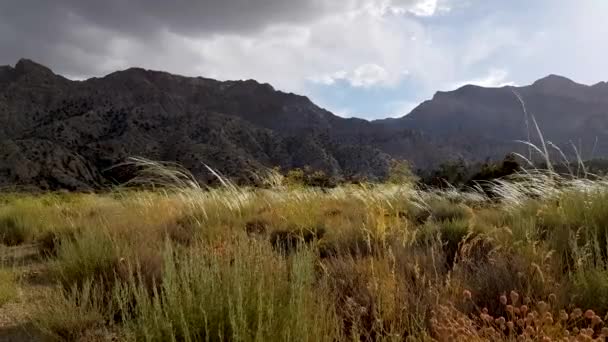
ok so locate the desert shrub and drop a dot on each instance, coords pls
(448, 234)
(50, 241)
(380, 299)
(442, 210)
(587, 289)
(503, 271)
(400, 172)
(289, 240)
(12, 231)
(183, 231)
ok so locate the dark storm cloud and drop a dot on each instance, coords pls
(74, 36)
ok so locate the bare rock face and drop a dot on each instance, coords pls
(62, 134)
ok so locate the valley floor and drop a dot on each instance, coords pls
(354, 263)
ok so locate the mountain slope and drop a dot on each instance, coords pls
(58, 133)
(476, 123)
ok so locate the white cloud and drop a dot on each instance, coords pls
(368, 75)
(424, 8)
(364, 76)
(494, 78)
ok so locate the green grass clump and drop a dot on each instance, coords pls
(12, 231)
(245, 293)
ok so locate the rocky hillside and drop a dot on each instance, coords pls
(58, 133)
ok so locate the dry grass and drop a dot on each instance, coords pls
(354, 263)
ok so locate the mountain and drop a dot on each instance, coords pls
(58, 133)
(476, 123)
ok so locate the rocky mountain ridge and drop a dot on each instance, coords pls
(57, 133)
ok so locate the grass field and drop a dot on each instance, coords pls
(288, 263)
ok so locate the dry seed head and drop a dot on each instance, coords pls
(589, 314)
(509, 309)
(524, 309)
(563, 315)
(530, 331)
(514, 297)
(510, 325)
(527, 300)
(500, 320)
(576, 313)
(596, 320)
(467, 295)
(605, 332)
(530, 319)
(552, 298)
(484, 310)
(503, 300)
(542, 307)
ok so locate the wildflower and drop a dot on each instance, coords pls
(589, 314)
(503, 300)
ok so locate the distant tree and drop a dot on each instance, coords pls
(400, 172)
(451, 173)
(490, 171)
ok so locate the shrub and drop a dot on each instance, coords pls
(12, 231)
(588, 289)
(442, 210)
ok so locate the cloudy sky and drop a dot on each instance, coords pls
(363, 58)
